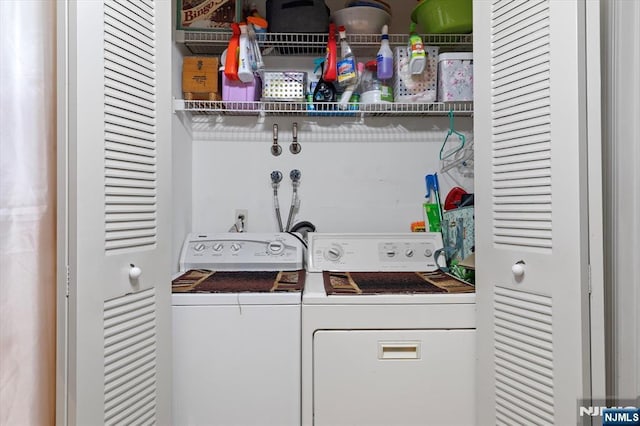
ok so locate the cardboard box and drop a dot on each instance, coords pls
(202, 15)
(200, 78)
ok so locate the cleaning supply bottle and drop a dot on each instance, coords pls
(347, 71)
(432, 209)
(245, 72)
(384, 58)
(348, 94)
(231, 60)
(253, 25)
(329, 67)
(415, 51)
(259, 23)
(324, 91)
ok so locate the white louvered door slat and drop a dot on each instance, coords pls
(530, 111)
(119, 104)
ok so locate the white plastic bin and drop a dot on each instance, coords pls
(455, 77)
(415, 88)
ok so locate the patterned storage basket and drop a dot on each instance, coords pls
(458, 232)
(455, 77)
(284, 86)
(415, 88)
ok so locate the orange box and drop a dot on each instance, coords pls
(208, 15)
(200, 78)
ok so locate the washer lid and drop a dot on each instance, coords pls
(206, 281)
(238, 299)
(315, 294)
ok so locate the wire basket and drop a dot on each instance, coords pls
(409, 87)
(284, 86)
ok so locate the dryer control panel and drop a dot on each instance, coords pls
(374, 252)
(242, 252)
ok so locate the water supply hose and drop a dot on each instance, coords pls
(295, 176)
(276, 177)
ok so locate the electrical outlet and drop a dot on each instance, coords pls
(244, 215)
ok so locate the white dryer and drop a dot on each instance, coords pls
(236, 330)
(386, 339)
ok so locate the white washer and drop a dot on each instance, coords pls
(384, 359)
(236, 354)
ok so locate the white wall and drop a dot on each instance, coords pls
(355, 177)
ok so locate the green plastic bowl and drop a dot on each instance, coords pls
(444, 16)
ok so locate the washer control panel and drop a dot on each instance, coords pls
(242, 252)
(373, 252)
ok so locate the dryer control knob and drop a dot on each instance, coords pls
(428, 253)
(217, 247)
(409, 253)
(199, 247)
(390, 253)
(275, 247)
(333, 253)
(235, 247)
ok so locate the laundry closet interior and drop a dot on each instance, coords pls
(362, 170)
(359, 173)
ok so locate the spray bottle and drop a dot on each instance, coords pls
(329, 67)
(347, 71)
(231, 60)
(384, 58)
(347, 95)
(324, 91)
(253, 24)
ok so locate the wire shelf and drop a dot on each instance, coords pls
(214, 42)
(325, 109)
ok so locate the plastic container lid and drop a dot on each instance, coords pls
(371, 65)
(461, 56)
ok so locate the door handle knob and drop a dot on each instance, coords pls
(134, 272)
(518, 269)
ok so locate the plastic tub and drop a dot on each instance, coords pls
(444, 16)
(361, 19)
(239, 95)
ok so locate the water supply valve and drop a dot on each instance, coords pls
(275, 148)
(295, 147)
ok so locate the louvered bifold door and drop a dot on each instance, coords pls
(117, 83)
(531, 210)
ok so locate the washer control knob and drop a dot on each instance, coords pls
(391, 253)
(409, 253)
(198, 247)
(275, 247)
(217, 247)
(428, 253)
(134, 272)
(333, 253)
(235, 247)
